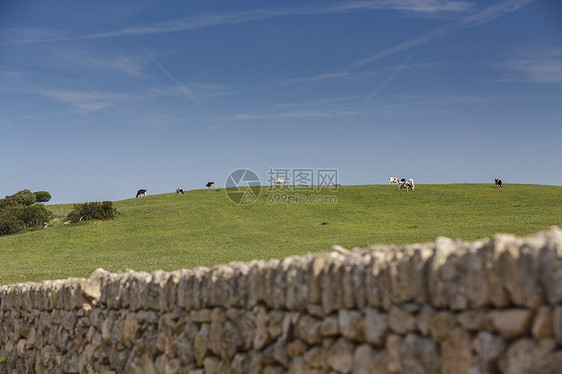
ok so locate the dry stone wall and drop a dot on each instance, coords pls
(491, 306)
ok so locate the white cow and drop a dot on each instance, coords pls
(279, 181)
(179, 191)
(392, 180)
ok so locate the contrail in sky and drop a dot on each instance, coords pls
(188, 93)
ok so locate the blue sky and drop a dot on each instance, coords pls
(98, 100)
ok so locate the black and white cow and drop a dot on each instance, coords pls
(141, 192)
(179, 191)
(408, 185)
(499, 183)
(211, 185)
(392, 180)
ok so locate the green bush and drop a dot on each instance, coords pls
(18, 212)
(42, 196)
(35, 215)
(94, 210)
(15, 218)
(23, 197)
(10, 221)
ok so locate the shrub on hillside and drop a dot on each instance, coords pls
(23, 197)
(10, 221)
(42, 196)
(35, 215)
(88, 211)
(18, 211)
(15, 218)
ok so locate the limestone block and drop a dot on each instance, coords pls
(270, 281)
(340, 356)
(401, 321)
(490, 253)
(200, 344)
(419, 355)
(423, 319)
(331, 284)
(297, 284)
(351, 326)
(219, 290)
(314, 279)
(456, 352)
(440, 324)
(519, 270)
(330, 326)
(511, 323)
(240, 364)
(314, 357)
(437, 285)
(523, 354)
(169, 292)
(238, 283)
(256, 282)
(557, 324)
(550, 364)
(473, 320)
(308, 329)
(366, 360)
(550, 259)
(185, 290)
(543, 323)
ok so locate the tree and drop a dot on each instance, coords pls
(42, 196)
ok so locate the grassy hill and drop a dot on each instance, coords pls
(204, 227)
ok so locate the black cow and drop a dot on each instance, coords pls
(210, 184)
(141, 192)
(499, 183)
(179, 191)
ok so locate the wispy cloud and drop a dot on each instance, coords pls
(128, 65)
(27, 35)
(18, 35)
(84, 102)
(539, 66)
(284, 114)
(318, 103)
(481, 17)
(421, 6)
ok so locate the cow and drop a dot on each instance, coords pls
(141, 192)
(278, 181)
(403, 184)
(499, 183)
(392, 180)
(211, 185)
(179, 191)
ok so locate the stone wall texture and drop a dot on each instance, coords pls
(490, 306)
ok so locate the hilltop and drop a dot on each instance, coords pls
(204, 227)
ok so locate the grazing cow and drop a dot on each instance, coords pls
(411, 181)
(499, 183)
(278, 181)
(179, 191)
(141, 192)
(403, 184)
(211, 185)
(392, 180)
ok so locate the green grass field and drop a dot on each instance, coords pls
(205, 228)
